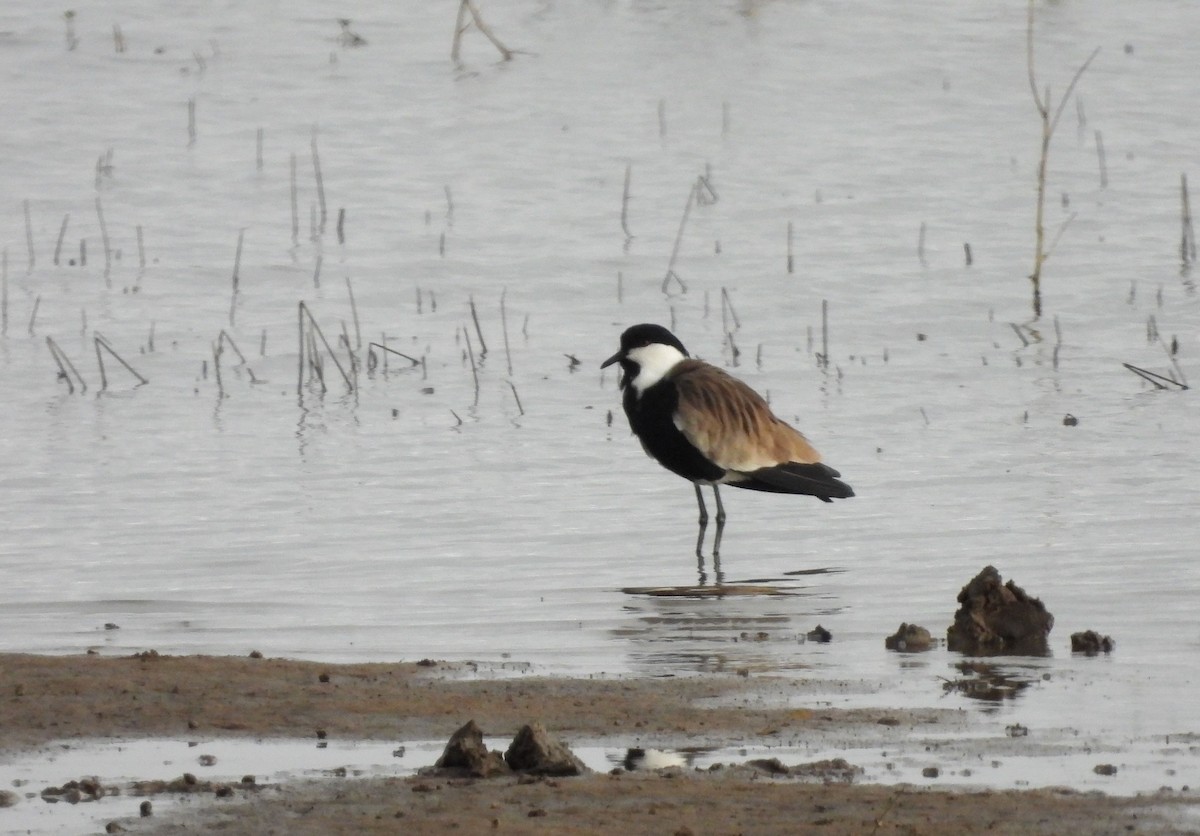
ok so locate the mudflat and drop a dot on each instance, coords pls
(56, 698)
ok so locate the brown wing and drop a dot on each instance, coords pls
(731, 424)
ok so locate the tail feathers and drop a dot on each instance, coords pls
(819, 480)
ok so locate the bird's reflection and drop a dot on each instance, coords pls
(740, 627)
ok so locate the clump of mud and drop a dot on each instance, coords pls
(1091, 643)
(996, 617)
(909, 638)
(532, 752)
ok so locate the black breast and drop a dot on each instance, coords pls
(651, 416)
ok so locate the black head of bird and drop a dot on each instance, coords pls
(707, 426)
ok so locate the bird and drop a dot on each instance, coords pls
(704, 424)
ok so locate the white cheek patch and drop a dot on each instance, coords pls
(653, 361)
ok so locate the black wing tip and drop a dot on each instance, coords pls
(818, 480)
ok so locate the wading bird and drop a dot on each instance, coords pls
(710, 428)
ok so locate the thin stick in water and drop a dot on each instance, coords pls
(1187, 240)
(474, 370)
(478, 330)
(37, 303)
(341, 226)
(505, 52)
(237, 266)
(354, 313)
(317, 271)
(104, 240)
(1101, 160)
(102, 342)
(517, 397)
(671, 274)
(316, 161)
(62, 359)
(141, 249)
(62, 232)
(504, 328)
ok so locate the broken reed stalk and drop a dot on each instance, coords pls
(341, 226)
(1057, 341)
(102, 342)
(295, 202)
(191, 107)
(625, 203)
(317, 271)
(1101, 160)
(104, 240)
(413, 360)
(517, 397)
(1174, 363)
(29, 235)
(1187, 239)
(62, 233)
(141, 249)
(475, 317)
(1049, 122)
(727, 305)
(312, 329)
(504, 328)
(671, 274)
(1158, 380)
(224, 337)
(350, 351)
(354, 315)
(216, 353)
(316, 160)
(37, 303)
(474, 370)
(237, 266)
(460, 27)
(66, 367)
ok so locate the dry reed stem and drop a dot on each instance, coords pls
(474, 370)
(671, 274)
(316, 161)
(65, 364)
(475, 317)
(504, 329)
(62, 232)
(101, 341)
(1049, 122)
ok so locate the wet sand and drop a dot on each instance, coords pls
(92, 697)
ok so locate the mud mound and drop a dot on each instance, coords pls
(996, 617)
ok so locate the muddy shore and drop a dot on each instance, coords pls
(49, 699)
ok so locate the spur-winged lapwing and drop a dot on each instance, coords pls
(710, 428)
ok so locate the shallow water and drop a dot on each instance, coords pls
(418, 517)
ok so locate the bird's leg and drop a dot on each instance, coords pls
(703, 525)
(720, 525)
